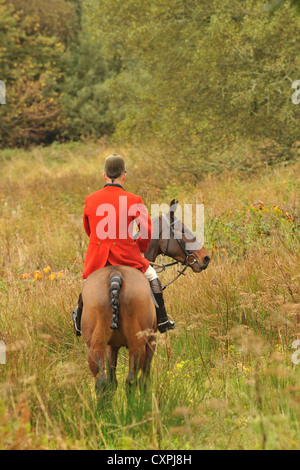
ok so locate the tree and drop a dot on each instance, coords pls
(53, 72)
(31, 69)
(85, 102)
(199, 77)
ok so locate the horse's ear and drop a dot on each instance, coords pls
(173, 207)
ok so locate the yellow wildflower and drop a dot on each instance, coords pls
(25, 276)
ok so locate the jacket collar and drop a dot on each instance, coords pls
(115, 185)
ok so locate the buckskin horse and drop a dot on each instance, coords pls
(119, 311)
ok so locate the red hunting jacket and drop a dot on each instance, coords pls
(108, 221)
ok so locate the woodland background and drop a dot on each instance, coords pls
(193, 78)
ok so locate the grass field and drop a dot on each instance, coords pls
(226, 378)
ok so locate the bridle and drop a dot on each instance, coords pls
(188, 253)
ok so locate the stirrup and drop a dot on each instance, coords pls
(74, 317)
(166, 325)
(172, 321)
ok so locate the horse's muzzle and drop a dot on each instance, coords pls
(197, 267)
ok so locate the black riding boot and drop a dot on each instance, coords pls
(76, 316)
(163, 323)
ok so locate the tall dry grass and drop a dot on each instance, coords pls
(223, 379)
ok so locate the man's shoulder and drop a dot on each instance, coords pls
(94, 195)
(134, 196)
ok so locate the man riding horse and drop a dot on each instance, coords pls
(108, 222)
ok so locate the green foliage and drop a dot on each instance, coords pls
(208, 83)
(54, 17)
(236, 231)
(271, 5)
(53, 74)
(199, 76)
(31, 69)
(85, 101)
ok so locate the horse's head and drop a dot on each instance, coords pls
(178, 242)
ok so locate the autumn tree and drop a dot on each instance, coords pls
(31, 69)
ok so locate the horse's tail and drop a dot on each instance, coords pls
(115, 281)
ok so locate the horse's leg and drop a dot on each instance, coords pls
(111, 357)
(136, 362)
(96, 361)
(150, 350)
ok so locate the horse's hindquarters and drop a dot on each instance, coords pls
(136, 321)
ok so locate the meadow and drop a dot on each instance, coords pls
(227, 377)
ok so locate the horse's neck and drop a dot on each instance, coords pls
(153, 251)
(154, 246)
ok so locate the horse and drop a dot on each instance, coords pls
(119, 310)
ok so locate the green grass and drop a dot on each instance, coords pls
(223, 379)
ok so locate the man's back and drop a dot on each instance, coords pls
(108, 219)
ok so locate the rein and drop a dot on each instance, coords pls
(188, 254)
(162, 267)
